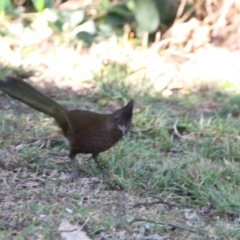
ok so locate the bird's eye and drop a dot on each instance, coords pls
(116, 118)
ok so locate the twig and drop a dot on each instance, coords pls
(57, 154)
(142, 131)
(6, 183)
(155, 202)
(222, 21)
(169, 225)
(176, 132)
(72, 230)
(42, 139)
(191, 10)
(180, 9)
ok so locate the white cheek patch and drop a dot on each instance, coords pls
(123, 129)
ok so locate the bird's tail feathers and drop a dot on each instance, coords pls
(27, 94)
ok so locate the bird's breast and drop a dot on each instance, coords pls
(93, 140)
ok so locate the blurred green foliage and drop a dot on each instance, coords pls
(140, 16)
(40, 5)
(147, 16)
(5, 6)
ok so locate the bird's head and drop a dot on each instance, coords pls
(121, 119)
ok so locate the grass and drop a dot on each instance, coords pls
(155, 184)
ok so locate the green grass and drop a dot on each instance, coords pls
(202, 174)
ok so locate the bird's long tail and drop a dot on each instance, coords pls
(27, 94)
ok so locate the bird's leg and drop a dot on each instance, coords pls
(74, 173)
(95, 157)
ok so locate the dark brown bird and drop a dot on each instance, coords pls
(87, 132)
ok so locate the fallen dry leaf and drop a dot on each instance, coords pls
(71, 232)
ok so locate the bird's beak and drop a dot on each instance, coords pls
(123, 129)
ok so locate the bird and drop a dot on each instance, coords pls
(86, 131)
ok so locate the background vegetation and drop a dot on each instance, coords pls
(176, 174)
